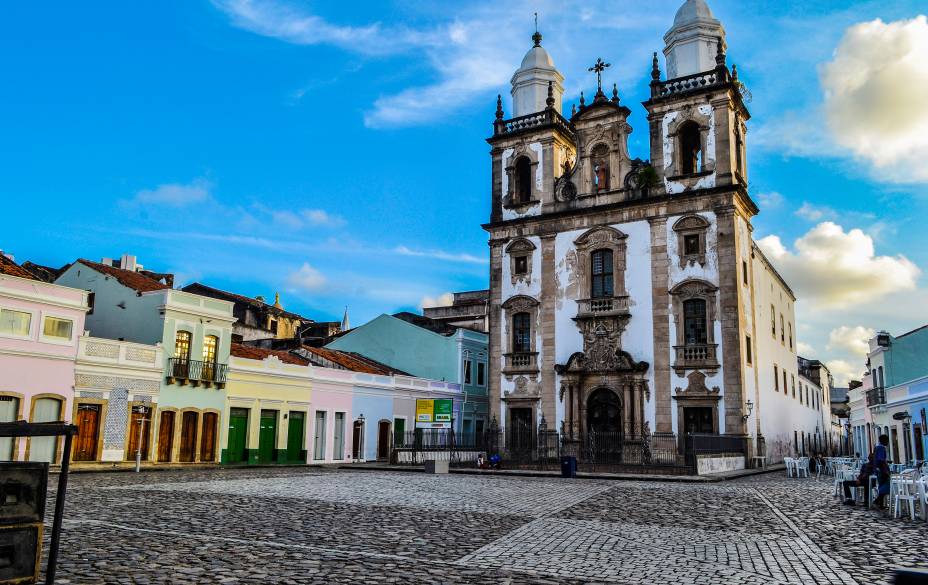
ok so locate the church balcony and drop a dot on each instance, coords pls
(688, 83)
(547, 118)
(876, 397)
(602, 307)
(523, 362)
(696, 356)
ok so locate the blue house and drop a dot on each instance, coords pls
(427, 348)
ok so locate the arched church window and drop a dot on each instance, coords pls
(522, 191)
(602, 277)
(521, 333)
(694, 322)
(600, 160)
(691, 155)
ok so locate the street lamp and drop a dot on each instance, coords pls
(361, 437)
(142, 410)
(748, 406)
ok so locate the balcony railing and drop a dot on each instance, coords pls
(696, 355)
(526, 361)
(547, 117)
(688, 83)
(196, 372)
(603, 306)
(876, 396)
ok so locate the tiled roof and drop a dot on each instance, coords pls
(353, 361)
(133, 280)
(200, 288)
(258, 353)
(11, 268)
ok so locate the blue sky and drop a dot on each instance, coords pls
(335, 152)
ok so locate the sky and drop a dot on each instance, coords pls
(335, 152)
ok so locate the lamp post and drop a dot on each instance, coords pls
(138, 451)
(361, 437)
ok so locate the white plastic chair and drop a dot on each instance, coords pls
(905, 490)
(788, 461)
(802, 467)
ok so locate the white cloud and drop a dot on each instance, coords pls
(307, 278)
(845, 371)
(440, 255)
(442, 300)
(175, 194)
(813, 212)
(296, 220)
(805, 350)
(876, 96)
(852, 340)
(770, 200)
(835, 269)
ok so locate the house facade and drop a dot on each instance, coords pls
(267, 408)
(425, 348)
(195, 335)
(254, 318)
(40, 328)
(628, 297)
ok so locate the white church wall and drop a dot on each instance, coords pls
(638, 338)
(535, 209)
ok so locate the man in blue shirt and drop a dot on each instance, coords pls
(881, 468)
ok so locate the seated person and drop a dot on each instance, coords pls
(862, 481)
(881, 468)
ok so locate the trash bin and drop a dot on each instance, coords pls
(568, 466)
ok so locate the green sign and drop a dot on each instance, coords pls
(443, 410)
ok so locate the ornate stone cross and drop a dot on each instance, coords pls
(599, 67)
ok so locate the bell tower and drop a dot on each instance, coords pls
(697, 116)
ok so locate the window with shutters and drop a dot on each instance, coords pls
(15, 323)
(521, 333)
(57, 328)
(182, 345)
(601, 282)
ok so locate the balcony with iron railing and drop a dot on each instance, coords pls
(523, 362)
(603, 306)
(195, 372)
(696, 356)
(876, 396)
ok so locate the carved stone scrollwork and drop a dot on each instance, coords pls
(696, 387)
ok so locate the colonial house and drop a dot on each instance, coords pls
(628, 297)
(255, 318)
(813, 434)
(40, 327)
(427, 348)
(897, 394)
(195, 334)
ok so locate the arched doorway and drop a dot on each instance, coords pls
(604, 425)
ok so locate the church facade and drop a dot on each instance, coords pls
(626, 296)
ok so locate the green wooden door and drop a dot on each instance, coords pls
(238, 435)
(267, 436)
(295, 452)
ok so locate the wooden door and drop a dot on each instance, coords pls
(166, 436)
(267, 436)
(188, 437)
(88, 431)
(356, 446)
(383, 440)
(208, 440)
(139, 427)
(319, 437)
(295, 452)
(238, 435)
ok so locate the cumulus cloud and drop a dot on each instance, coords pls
(835, 269)
(852, 340)
(845, 371)
(307, 278)
(442, 300)
(175, 194)
(876, 96)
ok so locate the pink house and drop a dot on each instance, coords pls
(40, 324)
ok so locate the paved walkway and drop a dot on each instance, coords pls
(348, 526)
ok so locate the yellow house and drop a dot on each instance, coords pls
(267, 406)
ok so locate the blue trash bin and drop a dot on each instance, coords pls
(568, 466)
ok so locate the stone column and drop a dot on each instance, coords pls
(546, 326)
(494, 316)
(660, 302)
(730, 316)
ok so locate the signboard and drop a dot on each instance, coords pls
(434, 414)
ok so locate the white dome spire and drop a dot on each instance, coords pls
(692, 42)
(530, 81)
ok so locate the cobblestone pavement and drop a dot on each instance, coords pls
(301, 525)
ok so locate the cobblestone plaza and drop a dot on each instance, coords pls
(327, 526)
